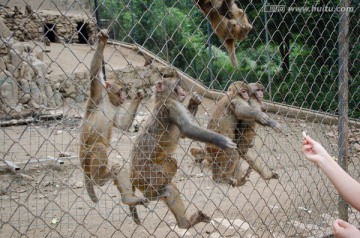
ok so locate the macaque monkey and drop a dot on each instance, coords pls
(95, 132)
(153, 166)
(235, 118)
(228, 21)
(248, 122)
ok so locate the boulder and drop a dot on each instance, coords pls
(9, 91)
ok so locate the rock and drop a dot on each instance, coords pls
(2, 64)
(9, 91)
(4, 30)
(25, 92)
(50, 96)
(36, 97)
(39, 67)
(15, 58)
(21, 47)
(15, 72)
(27, 71)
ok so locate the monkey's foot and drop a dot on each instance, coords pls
(270, 175)
(133, 201)
(194, 219)
(243, 179)
(275, 176)
(199, 217)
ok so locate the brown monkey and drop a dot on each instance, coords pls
(235, 118)
(228, 21)
(96, 129)
(247, 125)
(153, 166)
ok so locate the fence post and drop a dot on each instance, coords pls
(97, 17)
(343, 42)
(210, 52)
(132, 34)
(267, 50)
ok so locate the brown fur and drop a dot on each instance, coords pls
(228, 21)
(247, 129)
(153, 167)
(96, 130)
(235, 118)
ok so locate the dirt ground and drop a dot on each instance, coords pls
(45, 198)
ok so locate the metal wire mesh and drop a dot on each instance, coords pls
(45, 54)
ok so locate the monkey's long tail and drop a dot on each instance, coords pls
(90, 189)
(230, 47)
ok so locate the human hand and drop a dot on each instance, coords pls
(343, 229)
(313, 150)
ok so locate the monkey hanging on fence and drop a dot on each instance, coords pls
(153, 165)
(96, 129)
(248, 130)
(237, 119)
(228, 21)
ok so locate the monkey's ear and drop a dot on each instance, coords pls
(159, 86)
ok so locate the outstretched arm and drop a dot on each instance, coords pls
(125, 121)
(180, 116)
(271, 123)
(96, 76)
(243, 111)
(348, 188)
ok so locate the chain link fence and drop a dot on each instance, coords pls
(306, 54)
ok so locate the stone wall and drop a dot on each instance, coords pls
(62, 5)
(23, 78)
(70, 28)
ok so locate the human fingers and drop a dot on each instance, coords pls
(306, 148)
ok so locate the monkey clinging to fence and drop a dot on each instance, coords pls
(96, 129)
(228, 21)
(153, 165)
(235, 118)
(247, 129)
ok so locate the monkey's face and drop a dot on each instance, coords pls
(239, 88)
(180, 92)
(170, 88)
(244, 93)
(116, 93)
(257, 90)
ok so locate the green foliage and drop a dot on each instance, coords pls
(298, 64)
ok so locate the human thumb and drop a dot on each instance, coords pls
(338, 223)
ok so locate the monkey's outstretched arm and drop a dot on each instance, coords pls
(243, 111)
(96, 77)
(273, 124)
(193, 107)
(125, 120)
(180, 117)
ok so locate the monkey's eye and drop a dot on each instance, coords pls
(259, 89)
